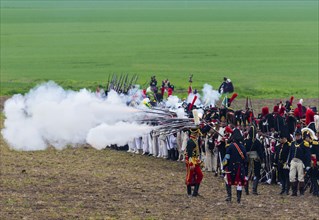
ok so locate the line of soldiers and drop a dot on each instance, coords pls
(269, 148)
(281, 146)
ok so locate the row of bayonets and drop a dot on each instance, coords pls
(168, 124)
(122, 83)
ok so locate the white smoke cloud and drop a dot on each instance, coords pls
(172, 102)
(210, 96)
(49, 115)
(104, 134)
(180, 112)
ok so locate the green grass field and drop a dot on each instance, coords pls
(268, 48)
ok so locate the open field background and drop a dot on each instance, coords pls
(268, 48)
(83, 183)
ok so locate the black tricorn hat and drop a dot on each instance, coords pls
(306, 134)
(236, 136)
(298, 131)
(314, 109)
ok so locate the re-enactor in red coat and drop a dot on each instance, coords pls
(194, 173)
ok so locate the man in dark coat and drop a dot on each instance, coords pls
(226, 86)
(281, 160)
(235, 162)
(256, 158)
(299, 158)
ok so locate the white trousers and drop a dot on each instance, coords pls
(296, 167)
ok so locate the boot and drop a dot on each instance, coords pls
(283, 190)
(169, 154)
(315, 190)
(189, 190)
(247, 188)
(301, 188)
(172, 154)
(195, 193)
(294, 188)
(176, 154)
(228, 189)
(255, 186)
(238, 196)
(288, 188)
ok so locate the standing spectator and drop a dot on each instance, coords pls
(226, 86)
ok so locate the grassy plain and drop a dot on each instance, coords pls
(268, 48)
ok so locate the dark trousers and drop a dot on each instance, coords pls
(257, 168)
(313, 179)
(284, 177)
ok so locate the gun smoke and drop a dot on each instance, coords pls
(48, 115)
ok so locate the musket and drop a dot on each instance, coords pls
(129, 85)
(162, 110)
(125, 82)
(116, 83)
(212, 128)
(113, 81)
(266, 175)
(108, 83)
(119, 82)
(307, 180)
(252, 110)
(268, 136)
(122, 83)
(136, 78)
(173, 129)
(159, 113)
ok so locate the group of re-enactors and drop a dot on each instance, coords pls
(273, 145)
(239, 154)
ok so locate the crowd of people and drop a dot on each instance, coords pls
(279, 147)
(241, 153)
